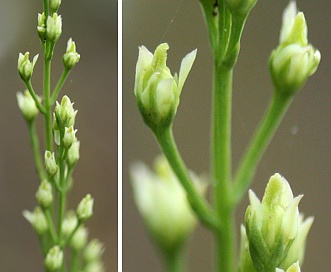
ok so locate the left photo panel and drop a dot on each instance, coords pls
(58, 141)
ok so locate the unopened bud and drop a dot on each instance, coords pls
(54, 259)
(71, 57)
(54, 5)
(50, 163)
(41, 26)
(25, 66)
(37, 219)
(44, 194)
(85, 208)
(65, 113)
(79, 240)
(93, 251)
(54, 27)
(69, 136)
(27, 105)
(73, 153)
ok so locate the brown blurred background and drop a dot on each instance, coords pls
(300, 149)
(92, 85)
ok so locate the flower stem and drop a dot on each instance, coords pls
(36, 151)
(59, 85)
(221, 168)
(199, 205)
(48, 105)
(258, 144)
(175, 261)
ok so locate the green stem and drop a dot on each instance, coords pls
(48, 105)
(175, 261)
(46, 8)
(198, 203)
(74, 261)
(34, 96)
(50, 223)
(67, 241)
(258, 144)
(36, 151)
(59, 85)
(62, 193)
(221, 168)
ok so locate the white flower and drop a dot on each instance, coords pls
(294, 60)
(163, 204)
(274, 228)
(156, 90)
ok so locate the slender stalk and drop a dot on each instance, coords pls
(50, 223)
(46, 8)
(74, 261)
(48, 105)
(175, 261)
(260, 141)
(62, 193)
(59, 85)
(67, 241)
(198, 203)
(34, 96)
(221, 168)
(36, 151)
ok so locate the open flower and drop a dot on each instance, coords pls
(156, 90)
(163, 204)
(275, 230)
(294, 60)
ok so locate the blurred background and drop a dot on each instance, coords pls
(300, 149)
(92, 85)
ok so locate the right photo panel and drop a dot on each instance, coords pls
(226, 129)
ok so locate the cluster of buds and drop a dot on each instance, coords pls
(63, 125)
(275, 233)
(163, 204)
(294, 60)
(156, 90)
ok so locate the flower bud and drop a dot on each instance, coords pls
(294, 60)
(54, 5)
(27, 106)
(163, 204)
(273, 225)
(95, 267)
(65, 113)
(245, 263)
(85, 208)
(50, 163)
(71, 57)
(25, 67)
(79, 240)
(44, 194)
(156, 90)
(54, 259)
(293, 268)
(73, 153)
(69, 136)
(69, 223)
(41, 28)
(240, 7)
(37, 219)
(93, 251)
(54, 27)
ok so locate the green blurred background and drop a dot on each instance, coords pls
(92, 85)
(300, 150)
